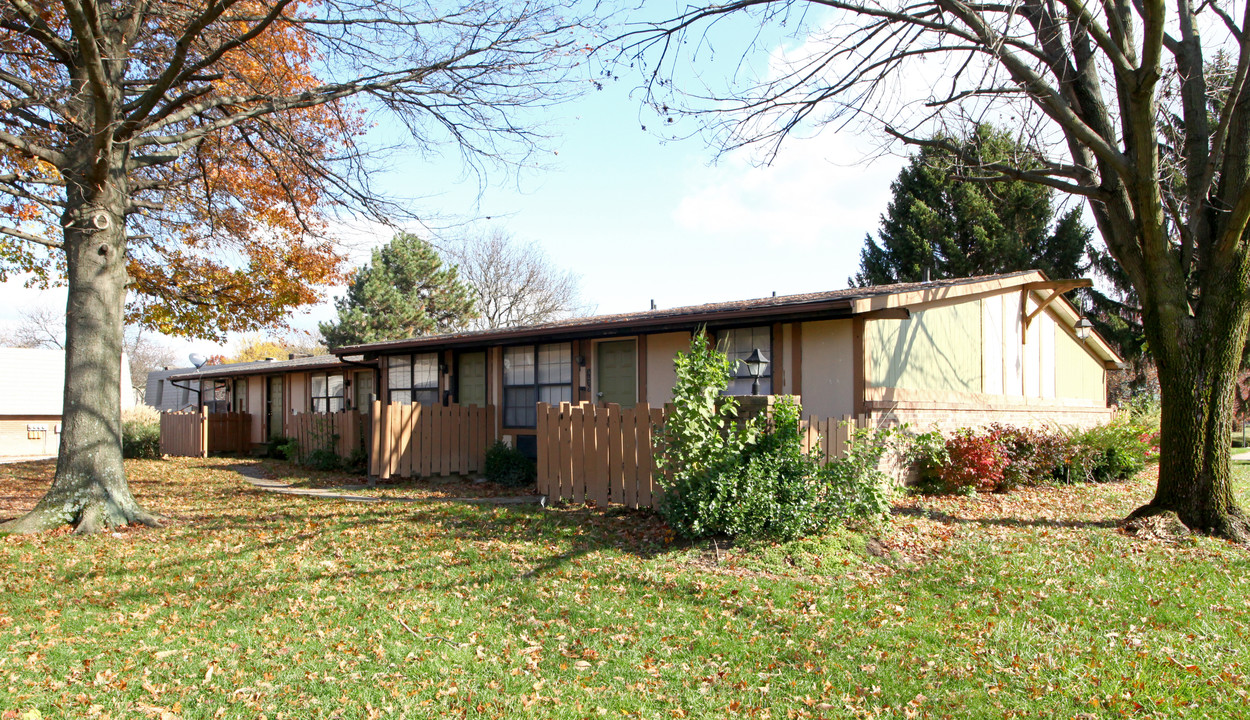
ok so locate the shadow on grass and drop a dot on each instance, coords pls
(944, 517)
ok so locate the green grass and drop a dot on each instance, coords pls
(254, 605)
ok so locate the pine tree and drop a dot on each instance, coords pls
(404, 291)
(943, 222)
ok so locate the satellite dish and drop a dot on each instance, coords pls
(197, 360)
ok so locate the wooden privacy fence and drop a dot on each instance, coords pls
(229, 432)
(184, 434)
(417, 440)
(342, 433)
(602, 454)
(199, 432)
(829, 438)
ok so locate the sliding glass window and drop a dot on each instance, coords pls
(534, 374)
(413, 378)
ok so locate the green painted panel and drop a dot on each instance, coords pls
(937, 349)
(471, 379)
(1077, 373)
(618, 373)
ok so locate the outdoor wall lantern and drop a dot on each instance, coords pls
(756, 362)
(1083, 328)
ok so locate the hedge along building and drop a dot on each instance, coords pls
(948, 353)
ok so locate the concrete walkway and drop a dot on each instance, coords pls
(255, 477)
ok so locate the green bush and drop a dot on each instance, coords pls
(769, 488)
(855, 487)
(507, 466)
(278, 446)
(750, 479)
(141, 440)
(1034, 457)
(1106, 453)
(323, 459)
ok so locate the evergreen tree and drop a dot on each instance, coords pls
(404, 291)
(950, 225)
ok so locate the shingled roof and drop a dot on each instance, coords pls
(844, 303)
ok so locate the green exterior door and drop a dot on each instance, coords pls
(274, 407)
(471, 379)
(618, 372)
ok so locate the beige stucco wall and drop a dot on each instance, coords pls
(256, 407)
(661, 373)
(935, 349)
(828, 384)
(13, 436)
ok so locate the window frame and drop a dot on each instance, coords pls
(536, 385)
(313, 397)
(411, 387)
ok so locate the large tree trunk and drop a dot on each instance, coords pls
(1197, 371)
(90, 490)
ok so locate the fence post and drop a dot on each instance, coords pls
(203, 431)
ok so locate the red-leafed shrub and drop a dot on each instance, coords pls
(974, 462)
(1034, 457)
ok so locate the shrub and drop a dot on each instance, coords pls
(141, 435)
(508, 466)
(855, 486)
(279, 446)
(927, 453)
(1105, 453)
(770, 488)
(1033, 457)
(323, 459)
(975, 462)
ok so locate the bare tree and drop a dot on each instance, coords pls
(195, 154)
(1140, 108)
(514, 283)
(39, 327)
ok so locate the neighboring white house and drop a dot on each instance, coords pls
(32, 384)
(162, 394)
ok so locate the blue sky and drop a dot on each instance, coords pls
(639, 218)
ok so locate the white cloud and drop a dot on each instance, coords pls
(818, 190)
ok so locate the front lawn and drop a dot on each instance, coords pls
(255, 605)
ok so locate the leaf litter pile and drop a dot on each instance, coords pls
(258, 605)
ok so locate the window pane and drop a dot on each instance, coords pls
(336, 404)
(518, 365)
(555, 394)
(399, 372)
(363, 387)
(319, 405)
(334, 386)
(738, 344)
(518, 407)
(425, 371)
(404, 397)
(318, 385)
(555, 363)
(425, 397)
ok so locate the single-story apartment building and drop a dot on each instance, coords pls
(32, 383)
(948, 353)
(273, 390)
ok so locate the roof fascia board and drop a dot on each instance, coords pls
(945, 292)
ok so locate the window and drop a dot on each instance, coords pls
(534, 374)
(413, 379)
(362, 387)
(327, 393)
(738, 344)
(240, 395)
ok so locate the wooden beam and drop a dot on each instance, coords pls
(1056, 288)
